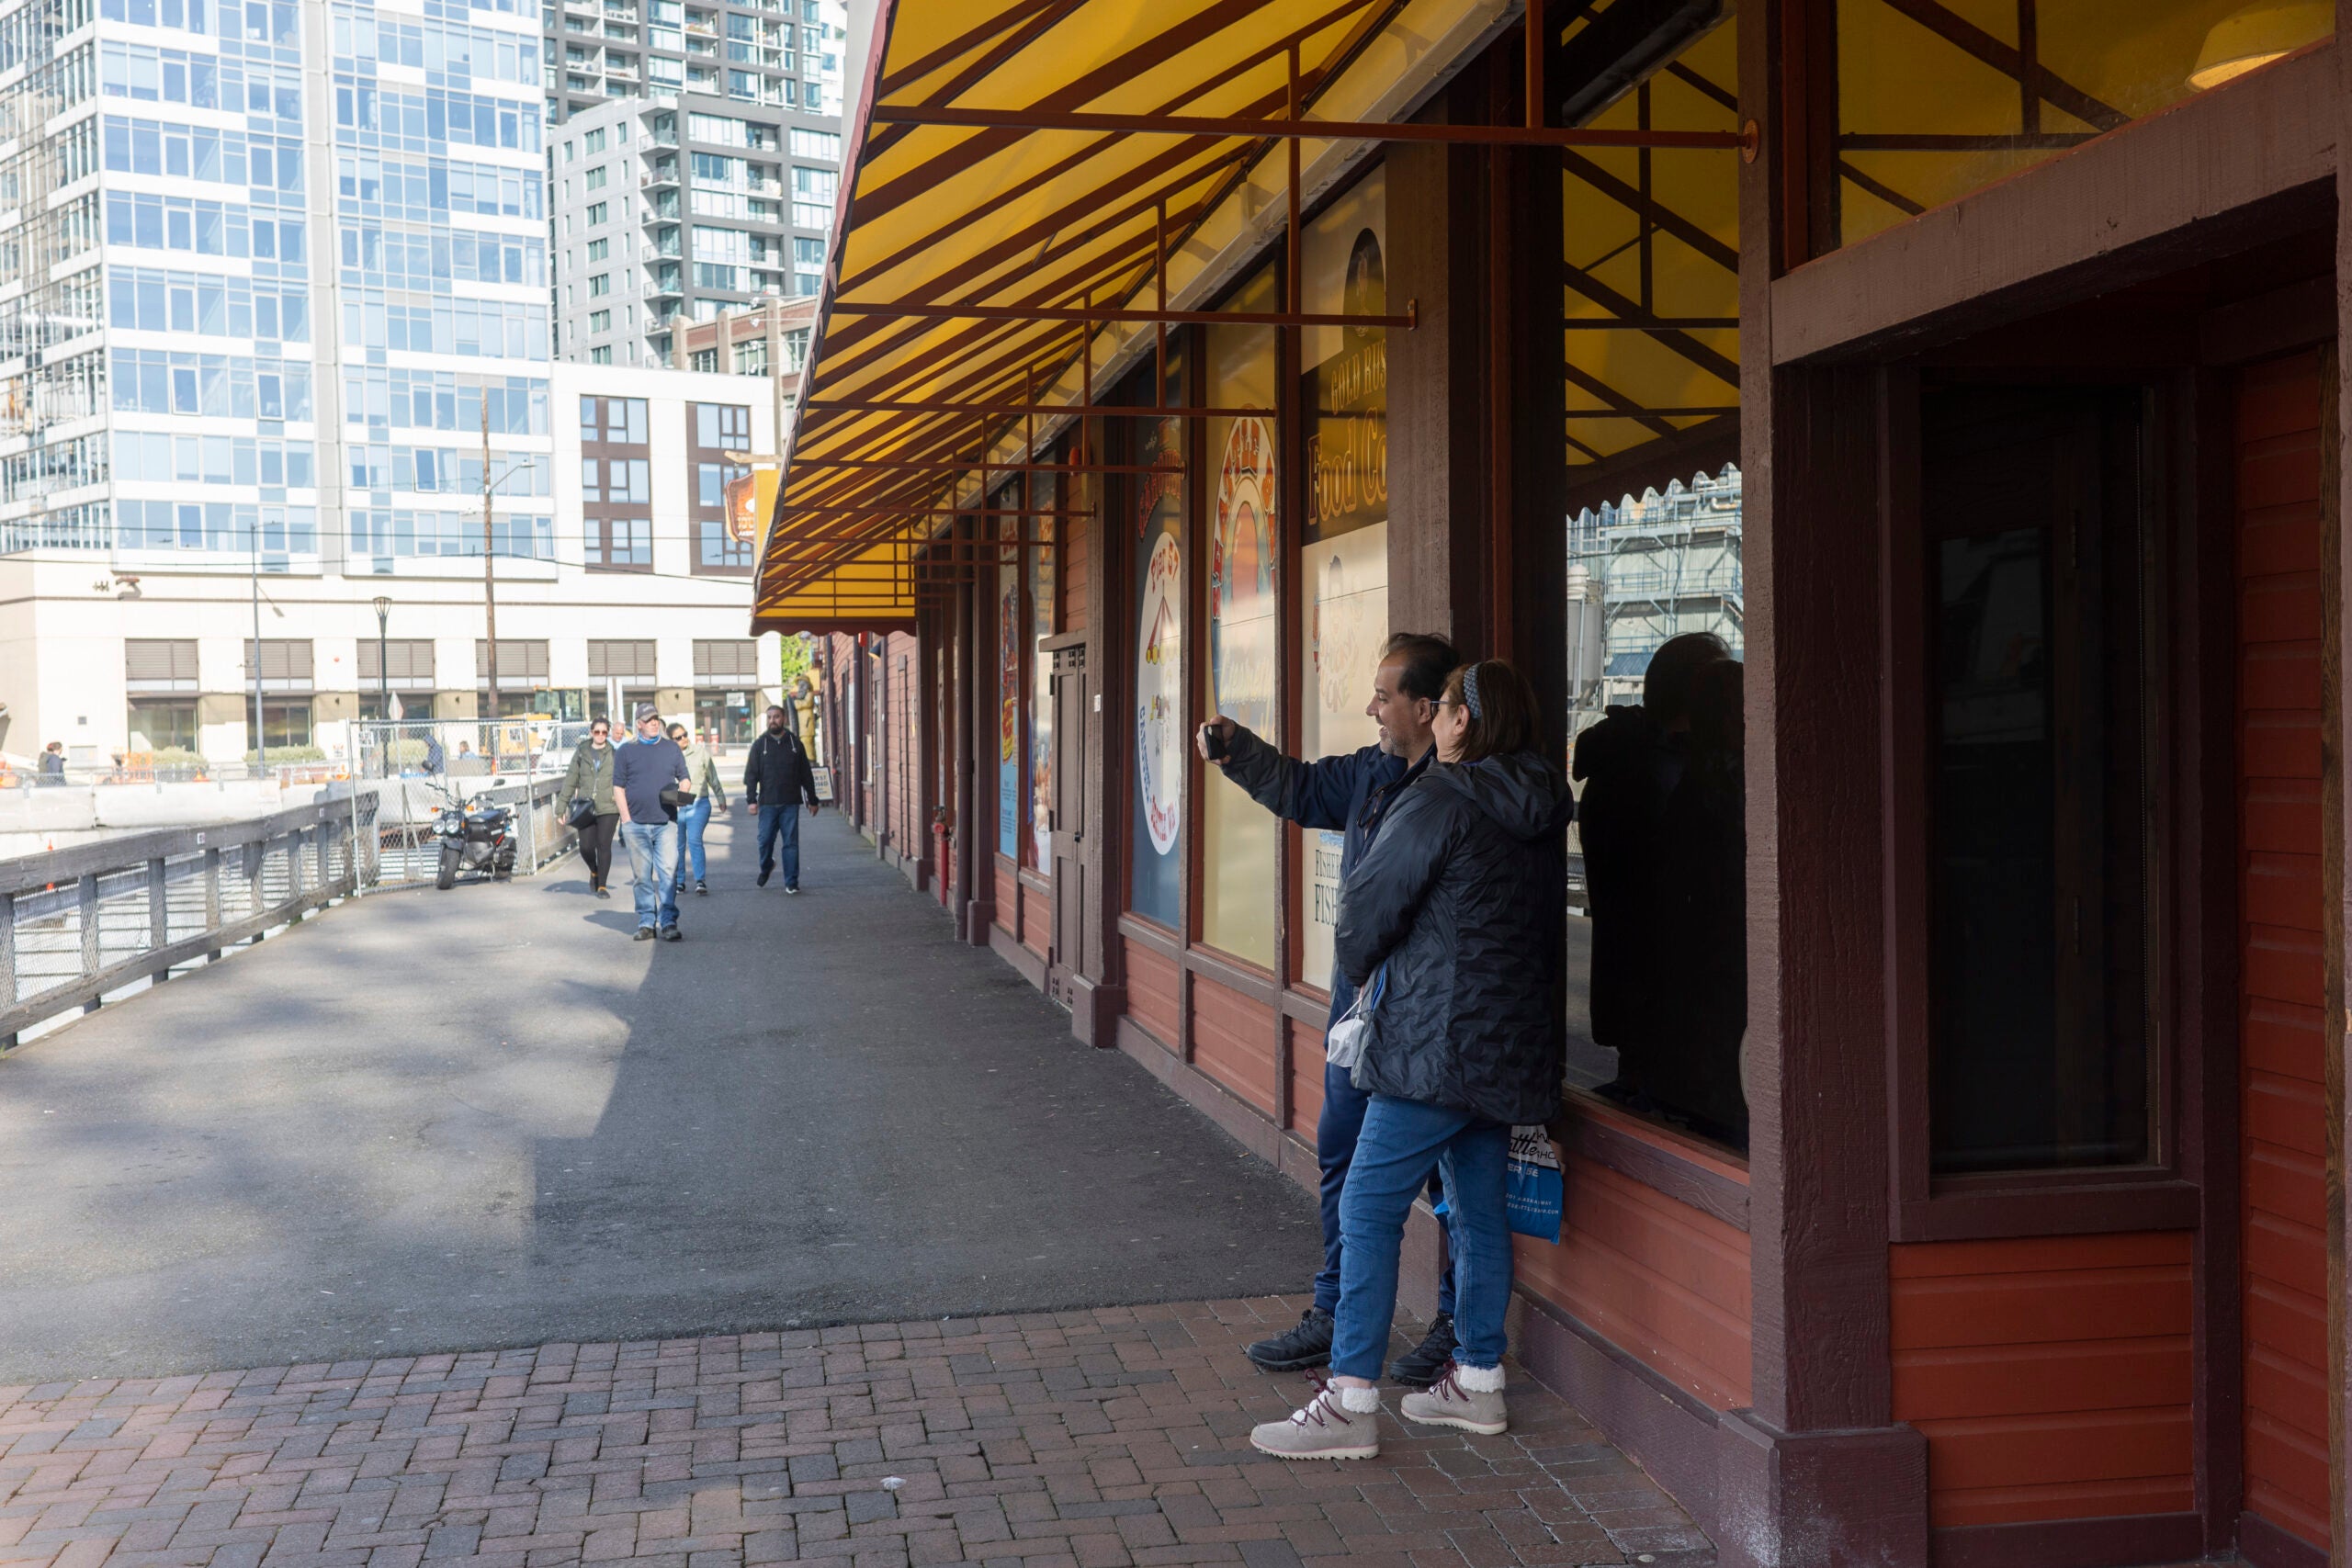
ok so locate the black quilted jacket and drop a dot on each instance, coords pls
(1462, 894)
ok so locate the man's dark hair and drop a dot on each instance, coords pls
(1665, 688)
(1427, 660)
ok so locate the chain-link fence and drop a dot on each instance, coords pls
(410, 769)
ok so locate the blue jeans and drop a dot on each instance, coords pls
(1336, 1132)
(1402, 1141)
(692, 821)
(781, 822)
(654, 867)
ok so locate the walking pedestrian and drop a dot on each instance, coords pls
(590, 778)
(776, 778)
(642, 773)
(702, 777)
(1350, 794)
(1459, 904)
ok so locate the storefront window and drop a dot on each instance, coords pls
(1238, 836)
(1039, 853)
(1343, 562)
(2040, 836)
(163, 725)
(1161, 730)
(1658, 999)
(1009, 740)
(1934, 101)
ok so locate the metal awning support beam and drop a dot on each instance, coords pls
(1304, 129)
(910, 512)
(972, 465)
(1081, 411)
(1088, 315)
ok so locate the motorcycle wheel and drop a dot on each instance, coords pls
(449, 876)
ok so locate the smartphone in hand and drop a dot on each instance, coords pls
(1213, 745)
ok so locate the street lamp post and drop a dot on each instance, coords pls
(383, 665)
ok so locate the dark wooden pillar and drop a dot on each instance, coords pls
(1100, 991)
(1815, 1471)
(1436, 490)
(2337, 494)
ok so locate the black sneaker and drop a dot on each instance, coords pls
(644, 933)
(1425, 1362)
(1309, 1345)
(702, 889)
(765, 874)
(670, 934)
(792, 888)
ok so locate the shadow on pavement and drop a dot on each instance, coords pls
(488, 1118)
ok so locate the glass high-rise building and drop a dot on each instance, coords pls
(693, 162)
(268, 269)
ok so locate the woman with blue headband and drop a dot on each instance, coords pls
(1452, 921)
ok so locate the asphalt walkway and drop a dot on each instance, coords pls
(456, 1122)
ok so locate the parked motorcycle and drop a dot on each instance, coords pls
(474, 838)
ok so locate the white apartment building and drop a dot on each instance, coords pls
(139, 650)
(678, 212)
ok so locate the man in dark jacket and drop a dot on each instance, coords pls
(1629, 764)
(1350, 794)
(778, 778)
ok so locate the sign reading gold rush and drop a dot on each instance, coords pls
(1346, 398)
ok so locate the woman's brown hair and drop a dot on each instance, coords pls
(1503, 720)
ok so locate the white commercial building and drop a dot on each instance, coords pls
(639, 587)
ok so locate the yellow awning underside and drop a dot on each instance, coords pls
(943, 216)
(938, 215)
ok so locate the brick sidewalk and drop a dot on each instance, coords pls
(1079, 1439)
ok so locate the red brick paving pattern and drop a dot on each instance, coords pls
(1076, 1439)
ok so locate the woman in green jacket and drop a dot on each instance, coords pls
(591, 778)
(701, 778)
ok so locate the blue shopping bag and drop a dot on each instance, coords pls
(1533, 1191)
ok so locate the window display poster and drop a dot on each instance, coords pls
(1343, 566)
(1160, 726)
(1041, 693)
(1008, 773)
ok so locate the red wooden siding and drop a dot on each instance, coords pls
(1306, 1079)
(1233, 1041)
(1152, 993)
(1036, 919)
(1007, 895)
(2283, 1121)
(1665, 1282)
(2050, 1374)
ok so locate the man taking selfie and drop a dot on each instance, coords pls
(1347, 795)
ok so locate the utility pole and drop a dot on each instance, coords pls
(489, 577)
(260, 746)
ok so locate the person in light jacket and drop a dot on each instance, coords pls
(590, 778)
(1461, 898)
(702, 780)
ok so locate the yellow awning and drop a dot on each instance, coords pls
(939, 216)
(978, 270)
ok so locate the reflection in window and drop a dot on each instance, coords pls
(1932, 96)
(1238, 837)
(1658, 954)
(2039, 835)
(1343, 566)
